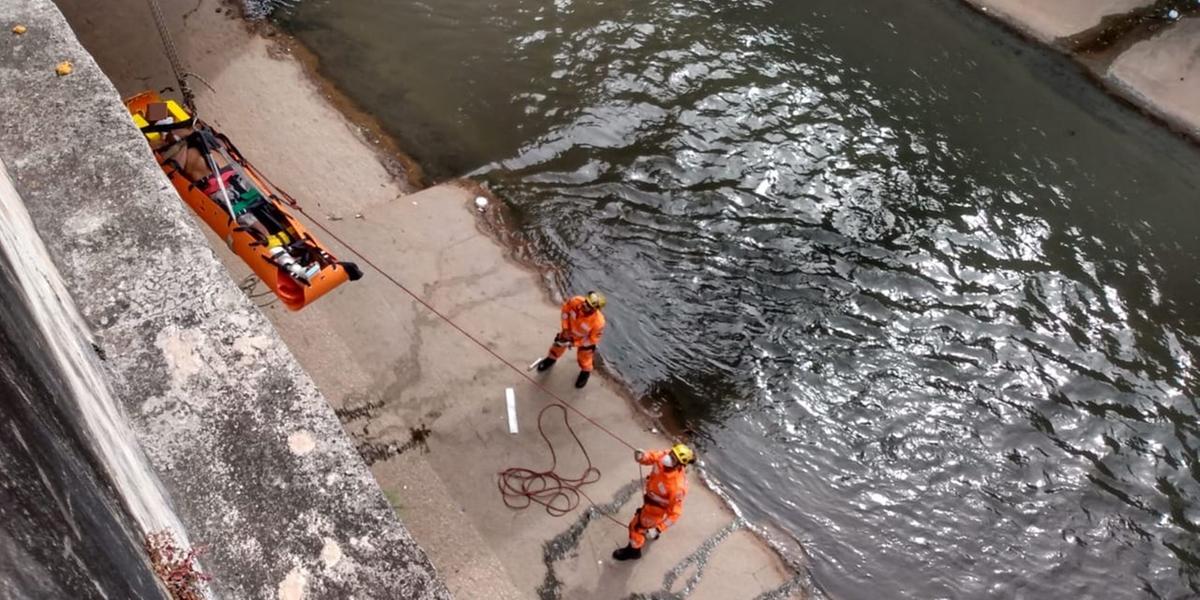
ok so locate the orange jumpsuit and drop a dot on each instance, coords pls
(663, 503)
(579, 330)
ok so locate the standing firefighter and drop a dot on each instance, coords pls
(582, 326)
(663, 503)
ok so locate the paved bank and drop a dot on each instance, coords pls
(252, 457)
(1163, 75)
(1138, 49)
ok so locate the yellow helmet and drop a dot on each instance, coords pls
(683, 455)
(595, 300)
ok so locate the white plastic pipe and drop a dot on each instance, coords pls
(510, 398)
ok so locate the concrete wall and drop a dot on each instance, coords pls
(255, 461)
(1139, 50)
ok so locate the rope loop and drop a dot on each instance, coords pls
(522, 487)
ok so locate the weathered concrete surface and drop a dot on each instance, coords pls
(252, 456)
(1050, 20)
(1163, 73)
(389, 367)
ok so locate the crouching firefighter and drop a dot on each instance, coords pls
(582, 327)
(663, 503)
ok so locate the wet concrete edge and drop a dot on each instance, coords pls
(1094, 49)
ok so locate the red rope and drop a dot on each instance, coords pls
(521, 487)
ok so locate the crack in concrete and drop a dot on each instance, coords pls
(568, 541)
(562, 544)
(407, 370)
(699, 558)
(373, 452)
(366, 411)
(191, 12)
(798, 583)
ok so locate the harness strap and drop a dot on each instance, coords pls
(165, 127)
(655, 501)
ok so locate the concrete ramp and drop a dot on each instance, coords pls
(1163, 74)
(395, 370)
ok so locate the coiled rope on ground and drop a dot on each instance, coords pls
(522, 487)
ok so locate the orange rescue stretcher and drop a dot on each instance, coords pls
(239, 204)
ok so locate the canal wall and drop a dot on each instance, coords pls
(1144, 51)
(251, 456)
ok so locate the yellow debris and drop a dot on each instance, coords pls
(64, 68)
(19, 29)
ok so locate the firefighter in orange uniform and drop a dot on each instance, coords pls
(663, 503)
(582, 326)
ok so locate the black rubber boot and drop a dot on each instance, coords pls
(582, 379)
(627, 553)
(546, 364)
(352, 270)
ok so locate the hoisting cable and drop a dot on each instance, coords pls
(296, 205)
(212, 165)
(518, 486)
(189, 99)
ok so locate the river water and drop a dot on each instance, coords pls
(924, 296)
